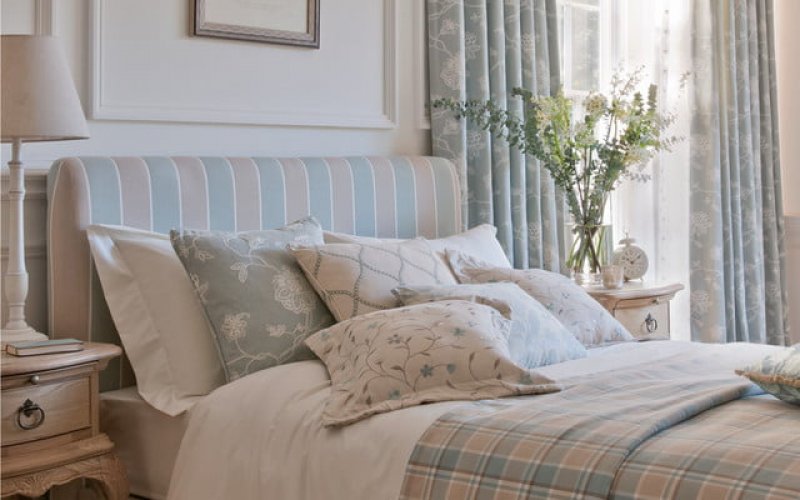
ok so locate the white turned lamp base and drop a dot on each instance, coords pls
(8, 336)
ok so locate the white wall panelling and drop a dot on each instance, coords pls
(196, 79)
(366, 101)
(421, 91)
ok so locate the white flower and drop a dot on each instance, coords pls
(234, 326)
(700, 302)
(528, 44)
(276, 330)
(291, 292)
(700, 223)
(452, 73)
(471, 46)
(534, 231)
(241, 271)
(451, 126)
(449, 27)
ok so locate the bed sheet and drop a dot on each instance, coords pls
(261, 437)
(145, 439)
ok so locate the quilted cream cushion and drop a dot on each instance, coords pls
(441, 351)
(258, 301)
(588, 321)
(778, 374)
(355, 278)
(537, 338)
(479, 242)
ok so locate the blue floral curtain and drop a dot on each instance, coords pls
(482, 49)
(738, 280)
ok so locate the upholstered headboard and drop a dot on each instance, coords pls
(370, 196)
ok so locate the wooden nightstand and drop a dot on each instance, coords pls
(50, 423)
(642, 309)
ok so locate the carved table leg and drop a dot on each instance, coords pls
(110, 476)
(106, 469)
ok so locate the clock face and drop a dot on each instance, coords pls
(633, 261)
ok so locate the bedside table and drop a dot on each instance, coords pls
(50, 423)
(642, 309)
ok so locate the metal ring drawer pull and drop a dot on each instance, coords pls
(30, 410)
(650, 323)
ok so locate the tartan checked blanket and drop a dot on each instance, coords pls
(660, 432)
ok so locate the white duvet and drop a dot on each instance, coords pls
(261, 436)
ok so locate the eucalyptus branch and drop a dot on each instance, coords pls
(587, 159)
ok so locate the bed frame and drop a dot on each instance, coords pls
(370, 196)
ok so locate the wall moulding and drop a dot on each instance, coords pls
(45, 16)
(102, 107)
(422, 116)
(35, 184)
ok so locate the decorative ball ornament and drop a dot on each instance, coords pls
(631, 258)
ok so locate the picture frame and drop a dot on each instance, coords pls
(249, 20)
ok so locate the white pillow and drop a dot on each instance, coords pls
(479, 242)
(158, 316)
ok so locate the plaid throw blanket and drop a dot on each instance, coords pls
(603, 438)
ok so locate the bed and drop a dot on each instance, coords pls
(261, 436)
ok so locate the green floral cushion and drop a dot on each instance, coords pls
(259, 303)
(537, 338)
(778, 374)
(439, 351)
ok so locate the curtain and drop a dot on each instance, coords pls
(738, 280)
(482, 49)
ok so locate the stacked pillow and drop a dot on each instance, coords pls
(221, 306)
(536, 337)
(588, 321)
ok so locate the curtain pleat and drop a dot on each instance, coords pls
(738, 280)
(479, 49)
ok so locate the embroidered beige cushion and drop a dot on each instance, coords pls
(354, 278)
(439, 351)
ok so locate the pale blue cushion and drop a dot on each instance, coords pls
(258, 301)
(537, 337)
(778, 374)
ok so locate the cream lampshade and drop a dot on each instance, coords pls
(39, 103)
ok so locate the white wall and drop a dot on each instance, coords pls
(148, 87)
(787, 42)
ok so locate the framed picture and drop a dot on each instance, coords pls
(288, 22)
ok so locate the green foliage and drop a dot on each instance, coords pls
(615, 138)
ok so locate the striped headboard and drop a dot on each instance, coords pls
(370, 196)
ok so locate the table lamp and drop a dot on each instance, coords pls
(39, 103)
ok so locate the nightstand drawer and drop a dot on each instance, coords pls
(645, 320)
(48, 409)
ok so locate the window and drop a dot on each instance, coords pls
(588, 44)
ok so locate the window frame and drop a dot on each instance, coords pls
(612, 40)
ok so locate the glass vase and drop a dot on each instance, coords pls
(592, 246)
